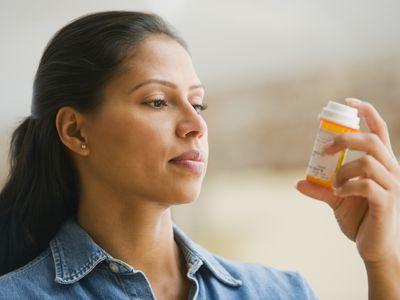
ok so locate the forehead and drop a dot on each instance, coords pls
(161, 57)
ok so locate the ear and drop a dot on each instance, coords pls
(69, 127)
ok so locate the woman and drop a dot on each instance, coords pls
(114, 140)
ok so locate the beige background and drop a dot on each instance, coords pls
(268, 67)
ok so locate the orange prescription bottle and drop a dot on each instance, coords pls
(335, 118)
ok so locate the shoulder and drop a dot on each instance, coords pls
(26, 281)
(268, 281)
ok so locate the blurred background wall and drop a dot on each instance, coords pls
(268, 68)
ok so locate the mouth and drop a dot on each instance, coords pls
(192, 161)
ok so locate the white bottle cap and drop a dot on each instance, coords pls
(341, 114)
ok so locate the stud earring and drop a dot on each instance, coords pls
(83, 146)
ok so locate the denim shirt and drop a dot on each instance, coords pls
(75, 267)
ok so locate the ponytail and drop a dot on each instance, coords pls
(39, 194)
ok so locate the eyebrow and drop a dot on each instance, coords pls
(165, 83)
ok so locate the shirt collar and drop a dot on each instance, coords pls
(75, 255)
(196, 255)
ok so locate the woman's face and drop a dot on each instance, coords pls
(151, 114)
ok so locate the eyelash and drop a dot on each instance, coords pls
(198, 107)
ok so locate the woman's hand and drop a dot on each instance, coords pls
(366, 197)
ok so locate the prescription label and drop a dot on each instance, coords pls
(322, 165)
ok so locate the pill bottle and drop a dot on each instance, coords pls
(335, 118)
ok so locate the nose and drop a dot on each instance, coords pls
(191, 123)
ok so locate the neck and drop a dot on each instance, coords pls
(140, 233)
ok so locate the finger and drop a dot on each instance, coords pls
(366, 142)
(366, 167)
(366, 188)
(375, 123)
(316, 191)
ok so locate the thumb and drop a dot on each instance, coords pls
(316, 191)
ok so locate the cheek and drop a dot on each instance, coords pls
(131, 146)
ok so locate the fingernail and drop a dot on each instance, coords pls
(353, 101)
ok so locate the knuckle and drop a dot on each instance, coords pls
(366, 162)
(373, 138)
(369, 106)
(367, 185)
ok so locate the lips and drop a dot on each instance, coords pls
(194, 155)
(192, 161)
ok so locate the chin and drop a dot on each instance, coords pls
(184, 197)
(185, 200)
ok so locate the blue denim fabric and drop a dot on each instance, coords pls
(75, 267)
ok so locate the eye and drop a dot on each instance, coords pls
(200, 107)
(157, 103)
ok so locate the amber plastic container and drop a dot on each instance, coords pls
(335, 118)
